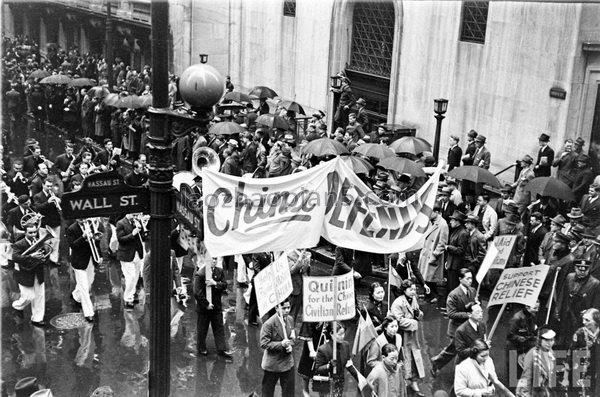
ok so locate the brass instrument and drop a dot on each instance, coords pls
(54, 198)
(31, 218)
(204, 156)
(10, 196)
(48, 163)
(41, 245)
(141, 222)
(92, 233)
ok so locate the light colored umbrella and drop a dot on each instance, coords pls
(98, 91)
(39, 74)
(358, 164)
(474, 174)
(402, 166)
(82, 82)
(56, 79)
(551, 187)
(376, 150)
(410, 144)
(325, 147)
(226, 128)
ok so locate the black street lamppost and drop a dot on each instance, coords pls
(201, 86)
(336, 84)
(440, 105)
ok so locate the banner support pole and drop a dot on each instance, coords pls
(497, 321)
(333, 336)
(389, 288)
(552, 296)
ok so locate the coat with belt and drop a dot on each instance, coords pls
(48, 209)
(457, 247)
(409, 315)
(431, 258)
(81, 251)
(476, 250)
(456, 308)
(27, 268)
(275, 357)
(522, 197)
(129, 244)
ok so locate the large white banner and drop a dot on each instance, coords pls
(328, 298)
(277, 214)
(273, 284)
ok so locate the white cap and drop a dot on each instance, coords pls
(547, 334)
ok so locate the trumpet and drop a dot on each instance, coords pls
(48, 163)
(141, 222)
(92, 232)
(54, 198)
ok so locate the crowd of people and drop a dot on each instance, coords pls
(466, 218)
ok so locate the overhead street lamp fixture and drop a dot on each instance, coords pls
(440, 106)
(336, 82)
(203, 58)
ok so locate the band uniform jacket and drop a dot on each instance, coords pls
(48, 209)
(456, 307)
(482, 154)
(81, 251)
(30, 164)
(457, 247)
(103, 156)
(13, 220)
(591, 211)
(275, 357)
(465, 336)
(128, 243)
(545, 169)
(27, 268)
(63, 161)
(454, 156)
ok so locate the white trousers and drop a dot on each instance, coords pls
(36, 296)
(53, 242)
(131, 272)
(84, 280)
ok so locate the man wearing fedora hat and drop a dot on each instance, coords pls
(545, 157)
(584, 177)
(581, 292)
(456, 248)
(447, 206)
(575, 216)
(467, 159)
(590, 207)
(556, 224)
(477, 245)
(482, 156)
(522, 197)
(536, 234)
(361, 115)
(565, 162)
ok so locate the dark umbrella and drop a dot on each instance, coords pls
(273, 121)
(410, 144)
(263, 92)
(237, 97)
(81, 82)
(474, 174)
(226, 128)
(56, 79)
(376, 150)
(98, 92)
(325, 147)
(402, 166)
(551, 187)
(292, 106)
(358, 164)
(39, 74)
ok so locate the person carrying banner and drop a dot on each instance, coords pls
(538, 367)
(469, 331)
(456, 248)
(406, 309)
(476, 247)
(456, 308)
(259, 261)
(313, 335)
(431, 257)
(522, 333)
(561, 264)
(277, 338)
(386, 379)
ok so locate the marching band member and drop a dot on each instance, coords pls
(107, 159)
(37, 181)
(137, 177)
(15, 179)
(47, 203)
(30, 162)
(78, 178)
(13, 218)
(29, 273)
(82, 239)
(65, 162)
(130, 254)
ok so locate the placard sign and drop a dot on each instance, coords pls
(504, 245)
(328, 298)
(104, 194)
(273, 284)
(519, 285)
(188, 209)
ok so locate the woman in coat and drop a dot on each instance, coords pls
(388, 335)
(431, 259)
(586, 342)
(476, 376)
(313, 335)
(538, 366)
(406, 309)
(376, 306)
(385, 379)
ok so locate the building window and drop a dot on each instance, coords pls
(474, 21)
(373, 38)
(289, 8)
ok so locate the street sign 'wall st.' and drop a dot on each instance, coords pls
(104, 194)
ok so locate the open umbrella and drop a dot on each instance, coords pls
(325, 147)
(551, 187)
(273, 121)
(410, 144)
(226, 128)
(263, 92)
(402, 166)
(39, 74)
(82, 82)
(474, 174)
(292, 106)
(237, 97)
(376, 150)
(358, 164)
(98, 91)
(56, 79)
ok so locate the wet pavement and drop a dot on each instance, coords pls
(113, 350)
